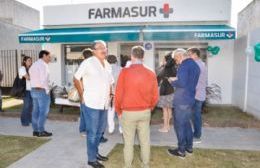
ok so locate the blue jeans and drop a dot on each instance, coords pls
(41, 107)
(96, 122)
(26, 115)
(197, 121)
(182, 126)
(82, 124)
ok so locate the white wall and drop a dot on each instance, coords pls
(247, 96)
(114, 49)
(239, 72)
(16, 13)
(220, 69)
(149, 57)
(248, 18)
(209, 11)
(253, 99)
(55, 67)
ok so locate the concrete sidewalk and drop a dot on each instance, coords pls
(67, 149)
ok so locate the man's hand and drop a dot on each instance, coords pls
(119, 116)
(81, 99)
(79, 87)
(172, 79)
(111, 95)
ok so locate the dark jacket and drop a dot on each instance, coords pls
(185, 86)
(168, 70)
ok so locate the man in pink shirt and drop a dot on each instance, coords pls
(39, 77)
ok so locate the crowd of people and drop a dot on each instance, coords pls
(107, 90)
(179, 89)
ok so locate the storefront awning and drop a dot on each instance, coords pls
(130, 33)
(189, 32)
(70, 35)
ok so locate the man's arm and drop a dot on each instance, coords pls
(42, 70)
(155, 92)
(78, 85)
(119, 93)
(182, 78)
(78, 79)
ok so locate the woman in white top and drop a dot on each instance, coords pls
(26, 115)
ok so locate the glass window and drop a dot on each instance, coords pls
(73, 58)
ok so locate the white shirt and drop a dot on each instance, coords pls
(128, 63)
(97, 81)
(202, 82)
(39, 75)
(116, 69)
(22, 73)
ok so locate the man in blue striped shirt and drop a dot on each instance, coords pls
(200, 95)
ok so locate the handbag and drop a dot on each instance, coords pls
(166, 88)
(19, 87)
(73, 95)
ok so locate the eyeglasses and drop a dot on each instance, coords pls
(101, 48)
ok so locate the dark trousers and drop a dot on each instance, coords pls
(182, 124)
(26, 115)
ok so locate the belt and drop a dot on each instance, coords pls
(38, 88)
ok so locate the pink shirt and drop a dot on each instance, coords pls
(39, 75)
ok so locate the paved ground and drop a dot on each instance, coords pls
(67, 148)
(12, 102)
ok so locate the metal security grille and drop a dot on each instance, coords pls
(10, 61)
(31, 53)
(8, 66)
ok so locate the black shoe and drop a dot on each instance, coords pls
(103, 140)
(35, 133)
(189, 151)
(102, 158)
(96, 164)
(176, 152)
(44, 134)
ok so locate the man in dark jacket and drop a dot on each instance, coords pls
(184, 99)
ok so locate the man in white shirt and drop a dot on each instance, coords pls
(39, 75)
(95, 94)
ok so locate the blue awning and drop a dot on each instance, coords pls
(189, 32)
(130, 33)
(70, 35)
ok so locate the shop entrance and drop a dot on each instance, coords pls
(162, 49)
(125, 52)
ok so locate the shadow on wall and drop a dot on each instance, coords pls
(213, 94)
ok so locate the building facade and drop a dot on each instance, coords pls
(160, 26)
(15, 18)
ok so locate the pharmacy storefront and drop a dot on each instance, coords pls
(160, 26)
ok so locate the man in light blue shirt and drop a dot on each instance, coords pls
(200, 95)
